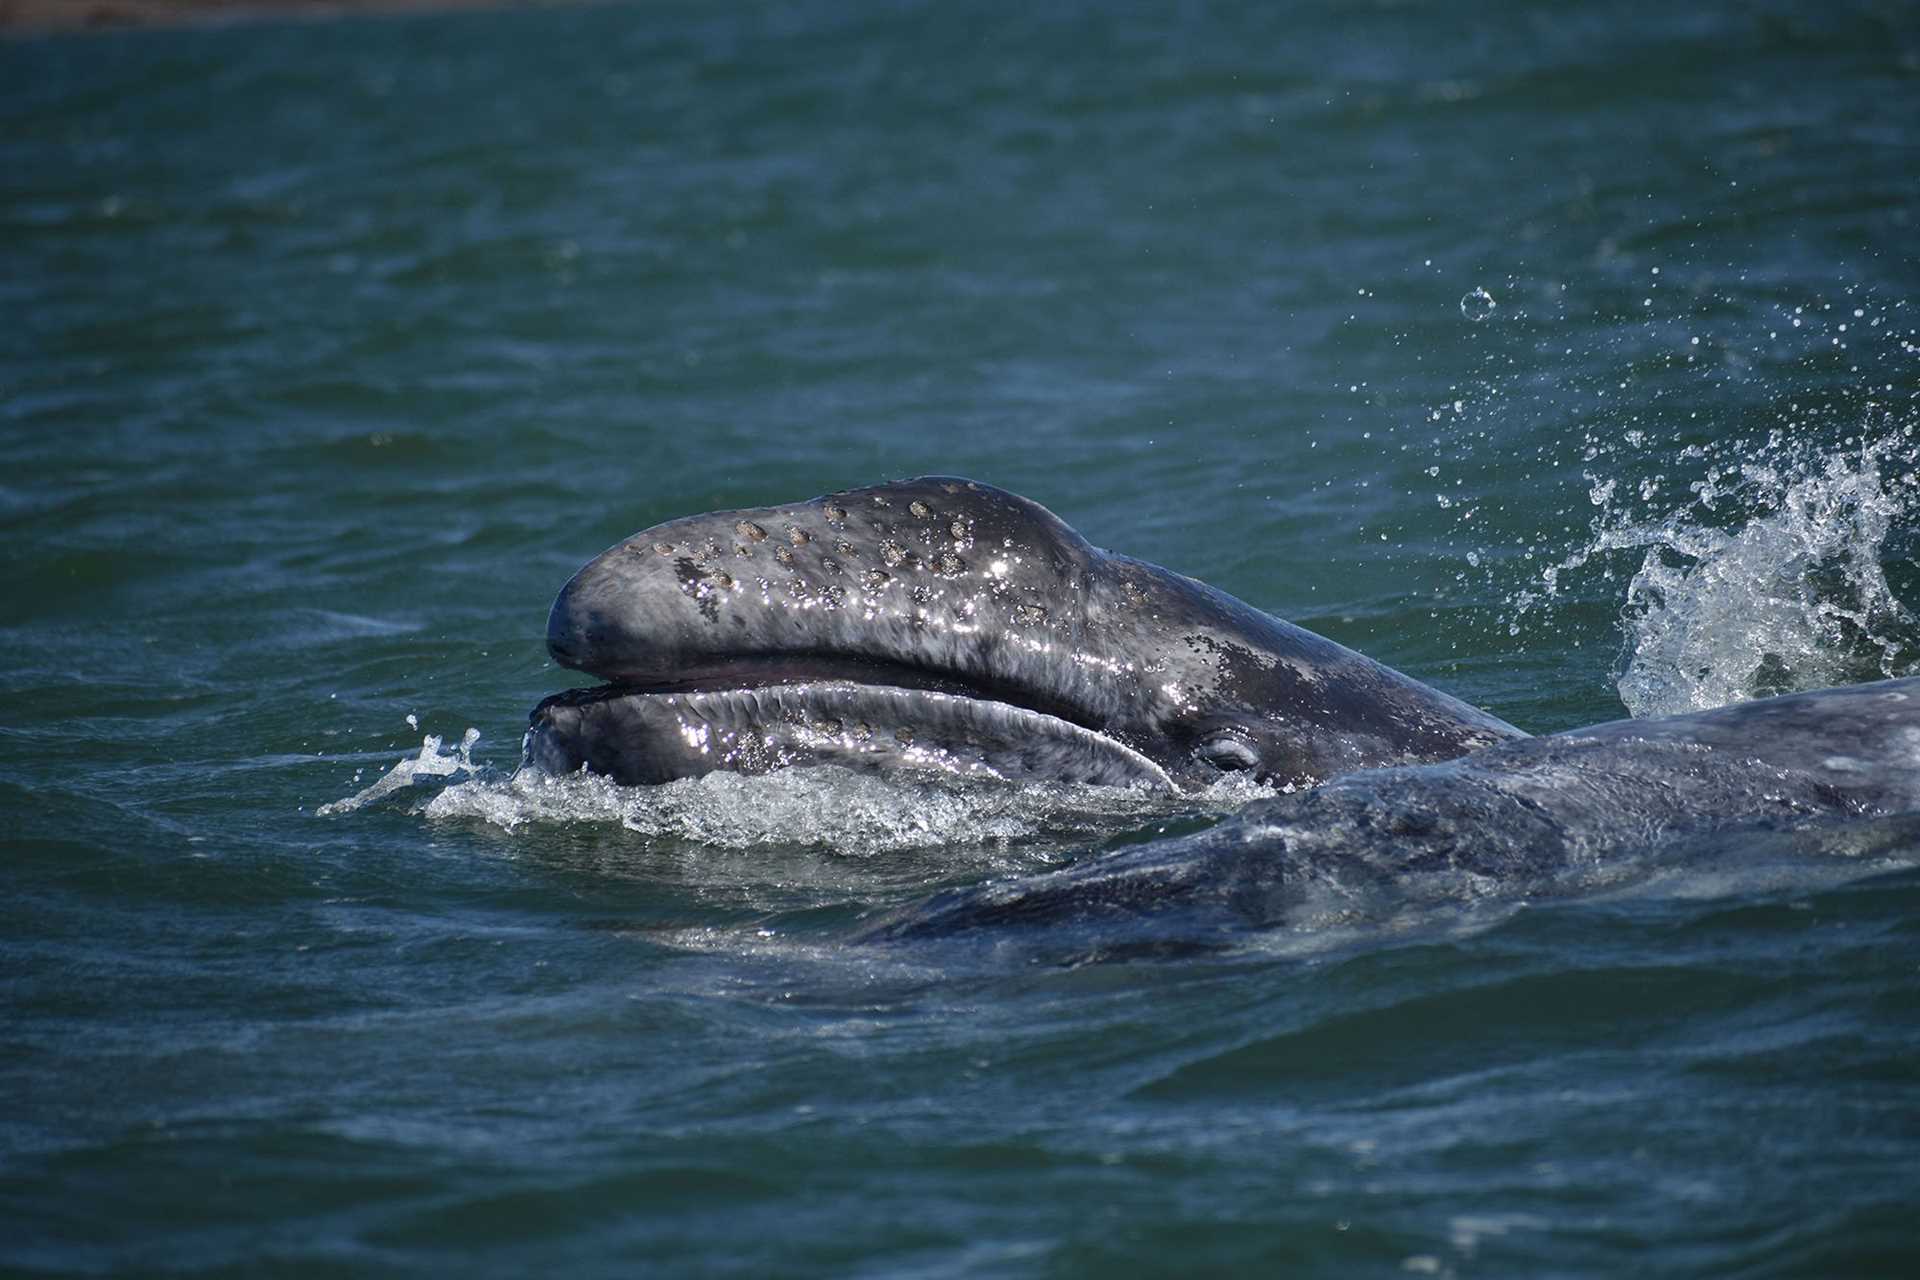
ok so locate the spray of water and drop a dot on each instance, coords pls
(1794, 598)
(431, 762)
(1770, 577)
(1751, 467)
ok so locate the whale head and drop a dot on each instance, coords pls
(944, 624)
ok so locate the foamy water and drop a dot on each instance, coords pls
(827, 808)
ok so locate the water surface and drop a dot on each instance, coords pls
(1565, 358)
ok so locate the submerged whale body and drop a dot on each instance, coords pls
(941, 624)
(1837, 771)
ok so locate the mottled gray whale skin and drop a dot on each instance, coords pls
(943, 624)
(1834, 771)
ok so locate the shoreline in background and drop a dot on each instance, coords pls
(34, 17)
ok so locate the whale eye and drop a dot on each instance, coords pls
(1227, 753)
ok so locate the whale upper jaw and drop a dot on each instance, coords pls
(965, 629)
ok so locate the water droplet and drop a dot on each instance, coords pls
(1477, 305)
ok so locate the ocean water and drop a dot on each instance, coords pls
(1567, 357)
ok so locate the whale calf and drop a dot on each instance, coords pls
(943, 624)
(1835, 771)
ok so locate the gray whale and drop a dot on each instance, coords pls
(947, 625)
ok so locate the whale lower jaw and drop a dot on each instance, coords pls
(644, 736)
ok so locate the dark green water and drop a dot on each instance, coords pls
(329, 351)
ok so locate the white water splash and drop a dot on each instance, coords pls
(825, 807)
(1769, 579)
(431, 762)
(1794, 599)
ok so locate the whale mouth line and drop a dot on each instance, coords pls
(750, 671)
(753, 712)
